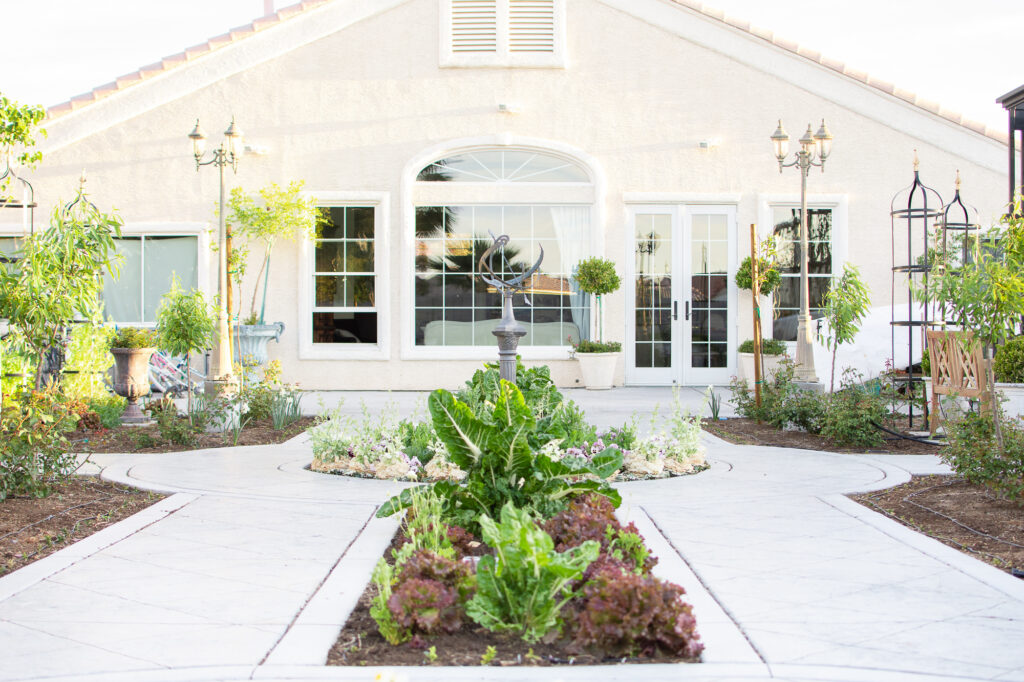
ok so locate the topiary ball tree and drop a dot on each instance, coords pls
(597, 276)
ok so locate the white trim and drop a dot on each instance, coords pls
(381, 204)
(839, 203)
(821, 81)
(502, 56)
(681, 198)
(406, 300)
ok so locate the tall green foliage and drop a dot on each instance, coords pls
(87, 361)
(846, 304)
(280, 213)
(495, 451)
(597, 276)
(19, 125)
(185, 322)
(59, 276)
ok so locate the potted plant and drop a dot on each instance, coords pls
(132, 348)
(1009, 370)
(597, 359)
(772, 352)
(278, 213)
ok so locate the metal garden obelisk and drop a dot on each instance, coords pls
(508, 331)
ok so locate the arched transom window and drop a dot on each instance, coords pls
(541, 201)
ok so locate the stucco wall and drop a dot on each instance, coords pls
(348, 112)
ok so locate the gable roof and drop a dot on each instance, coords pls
(289, 14)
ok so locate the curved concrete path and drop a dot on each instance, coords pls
(245, 571)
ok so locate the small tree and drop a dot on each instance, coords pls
(59, 276)
(846, 304)
(281, 213)
(18, 127)
(597, 276)
(985, 296)
(767, 274)
(185, 322)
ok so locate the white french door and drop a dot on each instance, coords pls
(682, 329)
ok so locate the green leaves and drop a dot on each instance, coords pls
(185, 321)
(846, 304)
(18, 127)
(523, 587)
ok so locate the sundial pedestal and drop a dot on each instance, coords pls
(508, 331)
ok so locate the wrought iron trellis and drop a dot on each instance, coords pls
(911, 212)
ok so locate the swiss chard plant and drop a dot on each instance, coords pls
(496, 451)
(524, 585)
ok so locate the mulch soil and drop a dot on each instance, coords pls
(361, 644)
(962, 515)
(148, 439)
(748, 432)
(32, 528)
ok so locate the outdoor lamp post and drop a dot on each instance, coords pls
(225, 155)
(814, 149)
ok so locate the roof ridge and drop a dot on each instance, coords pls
(846, 70)
(187, 55)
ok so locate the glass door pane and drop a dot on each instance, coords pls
(653, 336)
(709, 345)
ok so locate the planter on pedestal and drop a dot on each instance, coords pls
(1013, 394)
(250, 346)
(598, 369)
(131, 369)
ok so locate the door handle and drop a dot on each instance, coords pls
(675, 310)
(687, 310)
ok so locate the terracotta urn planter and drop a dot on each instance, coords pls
(251, 342)
(131, 369)
(598, 369)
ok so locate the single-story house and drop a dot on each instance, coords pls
(637, 130)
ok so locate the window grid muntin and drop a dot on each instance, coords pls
(818, 282)
(456, 233)
(652, 248)
(343, 273)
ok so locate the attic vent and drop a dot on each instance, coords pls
(474, 26)
(503, 33)
(531, 26)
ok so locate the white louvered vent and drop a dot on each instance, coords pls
(531, 26)
(474, 26)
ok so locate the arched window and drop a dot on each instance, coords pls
(541, 201)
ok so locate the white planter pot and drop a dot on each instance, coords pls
(1013, 406)
(5, 327)
(251, 342)
(598, 369)
(769, 364)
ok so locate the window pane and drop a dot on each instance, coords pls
(344, 327)
(359, 291)
(502, 166)
(332, 222)
(329, 291)
(166, 257)
(122, 298)
(359, 222)
(330, 257)
(359, 256)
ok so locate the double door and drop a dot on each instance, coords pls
(683, 324)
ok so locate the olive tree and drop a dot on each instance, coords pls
(846, 304)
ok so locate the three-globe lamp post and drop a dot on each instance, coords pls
(227, 154)
(814, 149)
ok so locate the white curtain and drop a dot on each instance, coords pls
(572, 228)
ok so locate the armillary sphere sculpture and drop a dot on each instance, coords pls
(508, 331)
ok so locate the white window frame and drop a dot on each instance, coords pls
(502, 57)
(839, 203)
(415, 193)
(199, 230)
(380, 203)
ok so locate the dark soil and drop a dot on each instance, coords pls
(148, 438)
(32, 528)
(964, 516)
(748, 432)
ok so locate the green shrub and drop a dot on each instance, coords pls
(109, 409)
(524, 585)
(769, 276)
(134, 337)
(588, 346)
(88, 359)
(596, 276)
(173, 428)
(1009, 361)
(34, 457)
(768, 347)
(852, 413)
(972, 452)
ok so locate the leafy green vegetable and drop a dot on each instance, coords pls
(523, 587)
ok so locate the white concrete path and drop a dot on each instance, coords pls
(248, 569)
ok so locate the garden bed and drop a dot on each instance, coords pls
(35, 527)
(964, 516)
(145, 439)
(744, 431)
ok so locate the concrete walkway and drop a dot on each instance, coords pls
(248, 569)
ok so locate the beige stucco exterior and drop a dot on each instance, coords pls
(356, 111)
